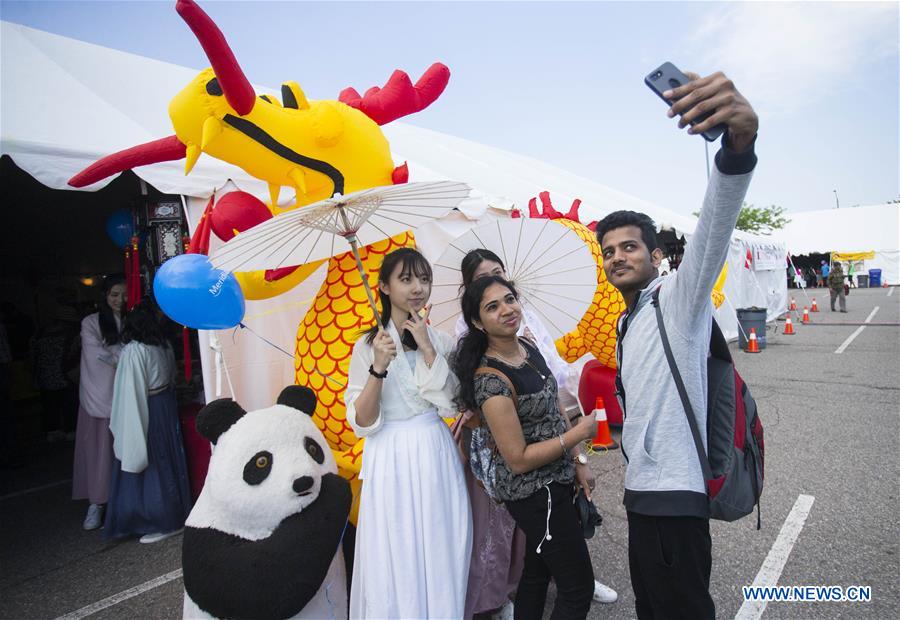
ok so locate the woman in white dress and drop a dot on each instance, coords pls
(414, 531)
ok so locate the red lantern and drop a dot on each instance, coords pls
(236, 212)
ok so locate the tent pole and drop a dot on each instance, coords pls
(802, 288)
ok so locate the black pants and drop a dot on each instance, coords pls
(564, 558)
(670, 559)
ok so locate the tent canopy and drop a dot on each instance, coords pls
(104, 100)
(872, 231)
(853, 229)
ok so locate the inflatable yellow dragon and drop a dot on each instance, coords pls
(320, 148)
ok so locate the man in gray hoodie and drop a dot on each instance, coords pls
(669, 546)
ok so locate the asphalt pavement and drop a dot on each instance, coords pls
(831, 425)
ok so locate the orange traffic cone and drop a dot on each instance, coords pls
(805, 320)
(793, 304)
(814, 307)
(602, 439)
(788, 327)
(752, 344)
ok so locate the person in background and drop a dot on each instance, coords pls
(54, 356)
(10, 452)
(149, 492)
(851, 274)
(836, 287)
(811, 277)
(825, 270)
(100, 346)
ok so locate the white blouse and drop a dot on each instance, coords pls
(142, 369)
(409, 389)
(98, 368)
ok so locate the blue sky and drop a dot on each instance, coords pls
(563, 82)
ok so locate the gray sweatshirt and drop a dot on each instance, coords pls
(663, 475)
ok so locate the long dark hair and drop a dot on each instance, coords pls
(109, 329)
(472, 346)
(142, 325)
(413, 263)
(472, 260)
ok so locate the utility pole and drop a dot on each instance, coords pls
(836, 202)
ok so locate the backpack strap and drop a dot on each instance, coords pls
(490, 370)
(718, 345)
(682, 392)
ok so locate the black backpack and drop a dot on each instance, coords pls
(734, 470)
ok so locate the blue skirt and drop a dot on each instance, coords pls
(159, 498)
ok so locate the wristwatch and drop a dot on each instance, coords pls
(580, 459)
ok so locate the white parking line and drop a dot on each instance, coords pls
(890, 291)
(35, 489)
(856, 333)
(774, 563)
(124, 595)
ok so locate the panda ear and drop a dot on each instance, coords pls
(217, 417)
(299, 397)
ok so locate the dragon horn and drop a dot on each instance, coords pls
(231, 78)
(164, 149)
(399, 97)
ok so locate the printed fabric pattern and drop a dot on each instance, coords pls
(540, 419)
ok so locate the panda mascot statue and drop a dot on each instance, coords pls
(264, 538)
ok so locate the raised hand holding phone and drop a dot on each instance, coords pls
(709, 104)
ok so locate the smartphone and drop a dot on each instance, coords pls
(668, 76)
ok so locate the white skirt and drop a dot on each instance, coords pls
(414, 533)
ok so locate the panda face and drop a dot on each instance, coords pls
(266, 467)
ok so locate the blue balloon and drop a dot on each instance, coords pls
(120, 227)
(194, 293)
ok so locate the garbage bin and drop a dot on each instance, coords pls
(754, 318)
(874, 278)
(862, 280)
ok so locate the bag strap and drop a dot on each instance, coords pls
(490, 370)
(682, 392)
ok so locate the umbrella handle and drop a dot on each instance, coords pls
(362, 274)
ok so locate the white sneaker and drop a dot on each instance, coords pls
(604, 594)
(158, 536)
(506, 612)
(94, 517)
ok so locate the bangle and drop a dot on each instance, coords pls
(563, 444)
(377, 375)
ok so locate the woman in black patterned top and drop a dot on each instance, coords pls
(534, 467)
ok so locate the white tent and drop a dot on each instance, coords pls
(854, 229)
(66, 103)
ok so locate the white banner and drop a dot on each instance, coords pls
(768, 258)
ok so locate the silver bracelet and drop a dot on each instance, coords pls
(563, 445)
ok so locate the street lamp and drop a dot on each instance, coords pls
(836, 202)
